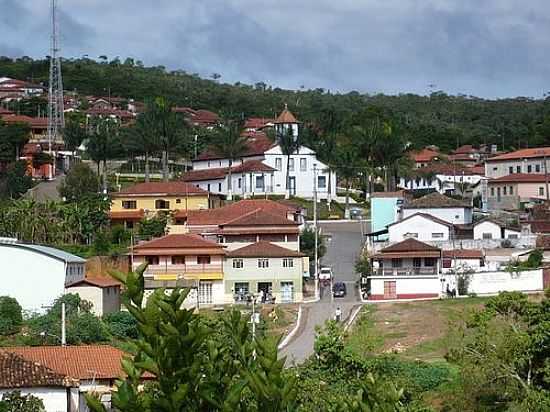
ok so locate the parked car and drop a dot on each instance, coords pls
(325, 273)
(356, 212)
(339, 290)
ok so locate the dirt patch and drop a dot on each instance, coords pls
(279, 319)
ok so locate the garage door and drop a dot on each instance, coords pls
(390, 289)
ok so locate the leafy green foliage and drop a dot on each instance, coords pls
(15, 181)
(307, 244)
(15, 402)
(11, 317)
(121, 325)
(80, 183)
(153, 227)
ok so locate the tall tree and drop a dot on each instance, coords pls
(73, 134)
(12, 139)
(142, 139)
(229, 143)
(348, 167)
(104, 144)
(289, 145)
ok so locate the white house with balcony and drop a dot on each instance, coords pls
(440, 206)
(420, 226)
(262, 168)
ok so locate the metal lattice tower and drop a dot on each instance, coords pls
(56, 117)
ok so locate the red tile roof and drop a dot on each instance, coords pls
(398, 193)
(519, 178)
(31, 148)
(257, 122)
(99, 281)
(540, 226)
(257, 144)
(236, 210)
(221, 172)
(448, 169)
(436, 200)
(467, 148)
(463, 254)
(179, 241)
(522, 154)
(5, 111)
(76, 362)
(461, 157)
(264, 249)
(174, 188)
(410, 245)
(123, 114)
(424, 155)
(127, 214)
(260, 217)
(286, 116)
(18, 372)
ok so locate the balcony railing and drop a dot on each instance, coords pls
(408, 271)
(178, 271)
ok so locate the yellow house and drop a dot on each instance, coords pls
(147, 199)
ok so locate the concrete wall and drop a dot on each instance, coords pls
(487, 228)
(409, 287)
(54, 399)
(523, 241)
(424, 229)
(275, 273)
(148, 203)
(34, 279)
(92, 294)
(384, 211)
(502, 168)
(458, 215)
(495, 282)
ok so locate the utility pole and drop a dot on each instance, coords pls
(63, 326)
(316, 229)
(545, 175)
(56, 117)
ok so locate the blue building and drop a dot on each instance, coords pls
(385, 208)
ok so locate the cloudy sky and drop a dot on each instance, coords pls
(489, 48)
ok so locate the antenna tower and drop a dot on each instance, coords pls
(56, 117)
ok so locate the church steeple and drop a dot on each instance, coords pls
(285, 121)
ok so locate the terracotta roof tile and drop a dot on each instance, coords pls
(76, 362)
(99, 281)
(463, 254)
(435, 200)
(127, 214)
(179, 241)
(540, 226)
(424, 155)
(286, 116)
(398, 193)
(467, 148)
(236, 210)
(257, 144)
(264, 249)
(260, 217)
(174, 188)
(522, 154)
(5, 111)
(410, 245)
(448, 169)
(18, 372)
(519, 178)
(257, 122)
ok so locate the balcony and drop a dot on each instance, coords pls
(174, 272)
(408, 271)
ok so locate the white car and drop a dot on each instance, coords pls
(325, 273)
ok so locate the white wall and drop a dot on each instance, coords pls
(487, 227)
(420, 225)
(455, 215)
(495, 282)
(502, 168)
(407, 286)
(90, 293)
(34, 279)
(54, 399)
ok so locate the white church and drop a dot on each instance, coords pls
(262, 168)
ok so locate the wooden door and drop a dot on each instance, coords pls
(390, 289)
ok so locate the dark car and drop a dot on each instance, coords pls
(339, 289)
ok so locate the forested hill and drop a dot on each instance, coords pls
(436, 119)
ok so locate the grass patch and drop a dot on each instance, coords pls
(364, 340)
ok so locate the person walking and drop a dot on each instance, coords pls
(338, 314)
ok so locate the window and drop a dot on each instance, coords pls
(178, 260)
(241, 288)
(437, 235)
(511, 190)
(541, 191)
(447, 263)
(208, 187)
(303, 164)
(291, 164)
(239, 182)
(410, 234)
(396, 263)
(511, 169)
(219, 187)
(529, 168)
(278, 163)
(518, 169)
(260, 182)
(288, 263)
(504, 190)
(492, 191)
(495, 169)
(263, 263)
(129, 224)
(537, 168)
(129, 204)
(429, 262)
(417, 262)
(178, 201)
(238, 264)
(203, 260)
(152, 260)
(321, 182)
(512, 236)
(162, 204)
(205, 292)
(487, 236)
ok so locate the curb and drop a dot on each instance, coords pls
(291, 334)
(317, 299)
(352, 317)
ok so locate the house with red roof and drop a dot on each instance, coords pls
(423, 157)
(516, 190)
(262, 168)
(103, 292)
(132, 204)
(534, 160)
(443, 177)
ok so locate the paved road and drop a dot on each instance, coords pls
(46, 190)
(343, 246)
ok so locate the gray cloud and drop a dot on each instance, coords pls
(493, 48)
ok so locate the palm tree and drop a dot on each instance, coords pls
(104, 144)
(348, 166)
(289, 145)
(73, 134)
(325, 152)
(229, 143)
